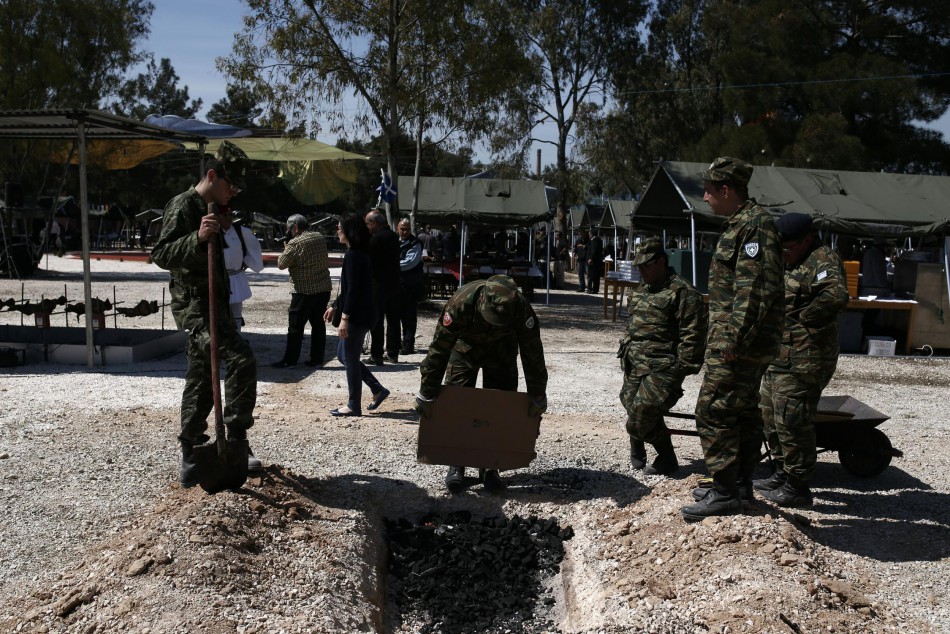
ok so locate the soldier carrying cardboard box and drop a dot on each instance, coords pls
(482, 327)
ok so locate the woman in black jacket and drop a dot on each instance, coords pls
(357, 314)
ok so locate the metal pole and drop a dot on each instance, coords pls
(462, 254)
(86, 273)
(547, 299)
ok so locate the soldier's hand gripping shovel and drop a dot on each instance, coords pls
(221, 463)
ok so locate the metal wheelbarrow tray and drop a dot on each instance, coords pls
(848, 426)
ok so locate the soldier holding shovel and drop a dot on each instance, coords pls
(188, 231)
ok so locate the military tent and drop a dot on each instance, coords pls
(863, 204)
(495, 202)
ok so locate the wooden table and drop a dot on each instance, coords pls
(617, 285)
(889, 304)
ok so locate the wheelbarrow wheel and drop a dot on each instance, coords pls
(868, 455)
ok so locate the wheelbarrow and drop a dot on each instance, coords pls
(846, 425)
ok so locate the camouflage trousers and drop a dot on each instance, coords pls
(647, 399)
(789, 405)
(728, 418)
(498, 362)
(240, 379)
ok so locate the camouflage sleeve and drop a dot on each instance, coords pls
(177, 246)
(759, 279)
(829, 288)
(692, 332)
(532, 353)
(447, 333)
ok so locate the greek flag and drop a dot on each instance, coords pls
(386, 189)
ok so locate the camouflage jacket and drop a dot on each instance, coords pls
(179, 252)
(816, 291)
(746, 288)
(667, 329)
(462, 323)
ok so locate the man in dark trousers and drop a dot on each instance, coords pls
(182, 250)
(580, 256)
(412, 280)
(595, 264)
(384, 255)
(306, 257)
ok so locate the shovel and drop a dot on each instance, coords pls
(221, 463)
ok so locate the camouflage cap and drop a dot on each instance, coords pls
(233, 160)
(793, 226)
(498, 300)
(649, 249)
(726, 168)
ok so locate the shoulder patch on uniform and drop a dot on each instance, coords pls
(529, 323)
(751, 249)
(446, 320)
(822, 275)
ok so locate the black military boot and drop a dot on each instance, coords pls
(455, 480)
(188, 473)
(491, 480)
(253, 464)
(638, 453)
(665, 462)
(791, 494)
(721, 499)
(774, 481)
(705, 485)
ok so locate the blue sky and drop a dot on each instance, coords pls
(192, 33)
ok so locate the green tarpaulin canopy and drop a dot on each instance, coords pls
(864, 204)
(483, 201)
(282, 149)
(618, 214)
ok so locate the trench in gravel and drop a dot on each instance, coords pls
(459, 608)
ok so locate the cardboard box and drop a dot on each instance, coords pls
(881, 346)
(473, 427)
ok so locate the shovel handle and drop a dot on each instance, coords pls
(213, 332)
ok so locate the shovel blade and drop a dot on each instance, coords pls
(219, 470)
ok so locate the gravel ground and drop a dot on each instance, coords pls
(98, 537)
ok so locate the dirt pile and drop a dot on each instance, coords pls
(268, 558)
(757, 572)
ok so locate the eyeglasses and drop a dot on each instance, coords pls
(234, 190)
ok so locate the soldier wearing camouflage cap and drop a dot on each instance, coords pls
(482, 327)
(663, 345)
(816, 291)
(182, 249)
(746, 310)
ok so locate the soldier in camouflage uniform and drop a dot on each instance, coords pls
(664, 344)
(816, 291)
(182, 249)
(746, 312)
(483, 326)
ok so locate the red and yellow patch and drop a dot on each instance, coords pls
(446, 320)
